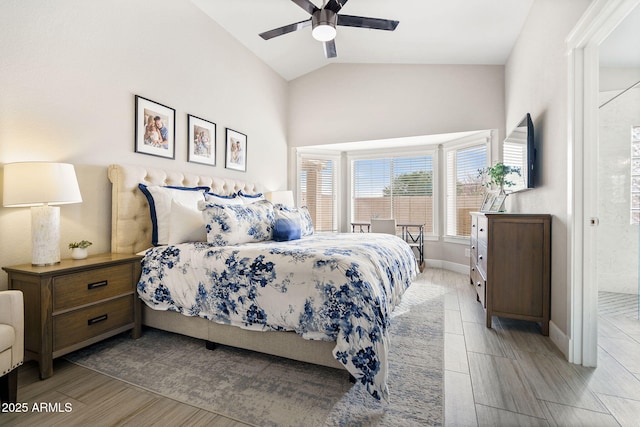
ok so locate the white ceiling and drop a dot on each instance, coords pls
(430, 32)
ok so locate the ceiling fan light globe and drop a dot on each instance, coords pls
(324, 32)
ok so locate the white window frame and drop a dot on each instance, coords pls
(335, 157)
(456, 146)
(398, 153)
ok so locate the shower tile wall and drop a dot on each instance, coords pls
(617, 257)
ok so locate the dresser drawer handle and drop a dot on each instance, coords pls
(97, 284)
(473, 247)
(97, 319)
(482, 229)
(479, 284)
(480, 257)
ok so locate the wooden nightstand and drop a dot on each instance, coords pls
(76, 303)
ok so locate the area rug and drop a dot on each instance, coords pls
(263, 390)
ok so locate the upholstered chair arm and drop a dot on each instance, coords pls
(12, 314)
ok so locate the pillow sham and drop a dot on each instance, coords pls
(235, 224)
(223, 200)
(185, 225)
(159, 198)
(250, 198)
(301, 214)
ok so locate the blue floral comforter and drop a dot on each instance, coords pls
(338, 287)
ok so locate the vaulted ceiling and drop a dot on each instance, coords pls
(430, 32)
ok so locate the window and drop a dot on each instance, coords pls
(399, 187)
(317, 190)
(464, 190)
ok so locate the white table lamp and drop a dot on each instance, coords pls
(284, 197)
(40, 185)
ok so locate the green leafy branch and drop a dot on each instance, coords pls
(81, 244)
(496, 175)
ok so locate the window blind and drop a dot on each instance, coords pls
(400, 188)
(316, 181)
(464, 191)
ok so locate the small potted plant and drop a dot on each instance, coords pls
(496, 176)
(79, 249)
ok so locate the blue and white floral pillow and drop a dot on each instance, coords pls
(300, 215)
(235, 224)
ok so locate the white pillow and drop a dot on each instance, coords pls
(250, 198)
(185, 225)
(222, 200)
(235, 224)
(160, 198)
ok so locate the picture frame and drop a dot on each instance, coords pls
(489, 197)
(155, 131)
(236, 150)
(498, 203)
(201, 141)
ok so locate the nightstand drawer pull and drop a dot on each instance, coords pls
(97, 284)
(97, 319)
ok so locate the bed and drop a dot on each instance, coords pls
(182, 283)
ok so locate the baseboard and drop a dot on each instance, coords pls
(559, 338)
(448, 265)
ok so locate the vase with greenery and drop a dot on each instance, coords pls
(496, 176)
(79, 249)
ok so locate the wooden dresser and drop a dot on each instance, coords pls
(511, 265)
(76, 303)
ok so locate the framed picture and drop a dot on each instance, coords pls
(155, 128)
(236, 150)
(498, 202)
(202, 140)
(487, 202)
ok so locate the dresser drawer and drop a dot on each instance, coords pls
(482, 227)
(79, 325)
(482, 258)
(85, 287)
(480, 284)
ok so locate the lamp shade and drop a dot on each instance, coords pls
(281, 197)
(38, 183)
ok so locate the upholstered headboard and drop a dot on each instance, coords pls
(130, 218)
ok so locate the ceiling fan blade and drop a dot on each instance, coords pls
(285, 30)
(306, 5)
(330, 49)
(336, 5)
(362, 22)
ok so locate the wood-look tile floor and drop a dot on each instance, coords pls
(509, 375)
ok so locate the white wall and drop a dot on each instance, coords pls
(536, 82)
(363, 102)
(617, 248)
(69, 71)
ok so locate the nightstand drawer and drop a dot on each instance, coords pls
(79, 325)
(73, 290)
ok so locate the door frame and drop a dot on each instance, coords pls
(599, 20)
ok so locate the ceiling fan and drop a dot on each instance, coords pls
(324, 20)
